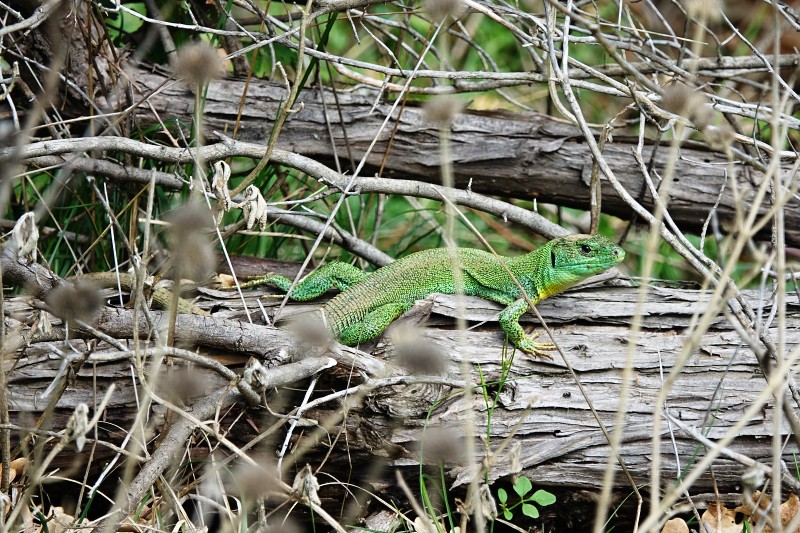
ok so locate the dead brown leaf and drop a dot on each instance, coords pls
(675, 525)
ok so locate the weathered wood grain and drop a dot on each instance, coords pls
(522, 155)
(540, 407)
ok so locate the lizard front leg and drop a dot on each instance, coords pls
(335, 274)
(509, 321)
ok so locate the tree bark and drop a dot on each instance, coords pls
(394, 408)
(521, 155)
(539, 405)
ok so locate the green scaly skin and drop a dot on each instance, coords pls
(370, 302)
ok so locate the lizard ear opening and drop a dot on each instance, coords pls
(553, 258)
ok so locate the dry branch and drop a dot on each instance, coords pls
(372, 410)
(539, 406)
(523, 155)
(556, 440)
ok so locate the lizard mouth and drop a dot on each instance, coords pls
(598, 265)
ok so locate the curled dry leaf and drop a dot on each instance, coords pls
(747, 507)
(423, 525)
(789, 509)
(16, 468)
(24, 238)
(675, 525)
(219, 185)
(223, 281)
(721, 519)
(306, 484)
(59, 521)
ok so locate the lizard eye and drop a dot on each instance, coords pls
(586, 249)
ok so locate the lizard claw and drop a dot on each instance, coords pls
(536, 349)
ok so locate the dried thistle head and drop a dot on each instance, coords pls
(197, 64)
(719, 137)
(71, 302)
(192, 251)
(706, 11)
(439, 9)
(443, 109)
(257, 480)
(688, 102)
(417, 353)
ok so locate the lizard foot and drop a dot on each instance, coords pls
(536, 349)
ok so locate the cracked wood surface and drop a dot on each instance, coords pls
(522, 155)
(541, 407)
(557, 441)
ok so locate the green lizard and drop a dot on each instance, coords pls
(368, 303)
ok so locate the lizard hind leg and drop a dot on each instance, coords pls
(333, 275)
(509, 321)
(373, 324)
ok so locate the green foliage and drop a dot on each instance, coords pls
(796, 466)
(122, 23)
(527, 501)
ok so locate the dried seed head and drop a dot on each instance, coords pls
(442, 445)
(439, 9)
(193, 253)
(688, 102)
(677, 98)
(705, 11)
(701, 116)
(719, 137)
(197, 64)
(181, 385)
(310, 329)
(256, 481)
(79, 301)
(417, 353)
(443, 109)
(7, 132)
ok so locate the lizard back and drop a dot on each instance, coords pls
(409, 279)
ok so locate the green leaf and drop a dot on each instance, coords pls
(126, 22)
(508, 515)
(543, 498)
(502, 495)
(530, 510)
(522, 486)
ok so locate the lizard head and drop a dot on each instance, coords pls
(576, 257)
